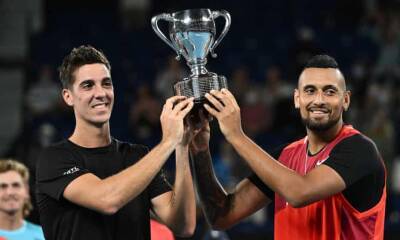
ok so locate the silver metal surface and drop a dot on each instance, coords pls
(192, 34)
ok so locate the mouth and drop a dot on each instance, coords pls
(319, 111)
(11, 201)
(100, 105)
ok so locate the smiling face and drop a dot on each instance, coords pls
(91, 94)
(321, 97)
(13, 192)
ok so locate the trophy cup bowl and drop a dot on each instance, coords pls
(192, 34)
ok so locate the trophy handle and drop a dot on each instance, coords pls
(154, 24)
(227, 17)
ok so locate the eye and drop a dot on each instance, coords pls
(330, 92)
(87, 85)
(3, 186)
(16, 185)
(309, 91)
(107, 83)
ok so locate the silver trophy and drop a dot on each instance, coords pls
(192, 35)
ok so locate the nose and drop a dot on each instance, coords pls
(99, 92)
(10, 190)
(319, 97)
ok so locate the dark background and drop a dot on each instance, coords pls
(261, 56)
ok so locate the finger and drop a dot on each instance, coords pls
(230, 96)
(186, 109)
(222, 97)
(170, 102)
(182, 105)
(214, 101)
(211, 110)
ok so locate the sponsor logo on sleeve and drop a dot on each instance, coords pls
(71, 171)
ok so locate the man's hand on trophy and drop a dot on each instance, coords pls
(227, 111)
(174, 111)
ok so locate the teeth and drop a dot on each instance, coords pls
(99, 105)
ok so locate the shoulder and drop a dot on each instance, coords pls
(55, 158)
(295, 144)
(56, 150)
(292, 147)
(32, 226)
(34, 229)
(131, 151)
(357, 143)
(356, 152)
(123, 146)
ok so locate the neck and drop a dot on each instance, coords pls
(91, 136)
(10, 222)
(318, 140)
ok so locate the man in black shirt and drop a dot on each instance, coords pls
(92, 186)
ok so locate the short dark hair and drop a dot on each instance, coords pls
(78, 57)
(322, 61)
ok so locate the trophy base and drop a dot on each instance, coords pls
(198, 86)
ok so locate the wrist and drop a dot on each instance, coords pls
(237, 138)
(182, 147)
(168, 143)
(197, 148)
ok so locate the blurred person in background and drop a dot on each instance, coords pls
(15, 203)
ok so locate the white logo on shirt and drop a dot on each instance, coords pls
(71, 171)
(321, 161)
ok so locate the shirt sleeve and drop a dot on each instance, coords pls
(159, 184)
(259, 183)
(57, 167)
(354, 158)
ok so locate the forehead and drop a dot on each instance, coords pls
(10, 176)
(95, 71)
(320, 77)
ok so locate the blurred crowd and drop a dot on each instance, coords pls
(261, 57)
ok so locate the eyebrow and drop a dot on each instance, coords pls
(323, 88)
(91, 80)
(86, 81)
(330, 87)
(11, 183)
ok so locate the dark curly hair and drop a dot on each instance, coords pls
(78, 57)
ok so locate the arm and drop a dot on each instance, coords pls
(177, 209)
(110, 194)
(222, 210)
(298, 190)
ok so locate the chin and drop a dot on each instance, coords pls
(98, 122)
(319, 126)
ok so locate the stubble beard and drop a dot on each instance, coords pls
(319, 126)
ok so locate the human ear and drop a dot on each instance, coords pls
(296, 99)
(67, 96)
(346, 104)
